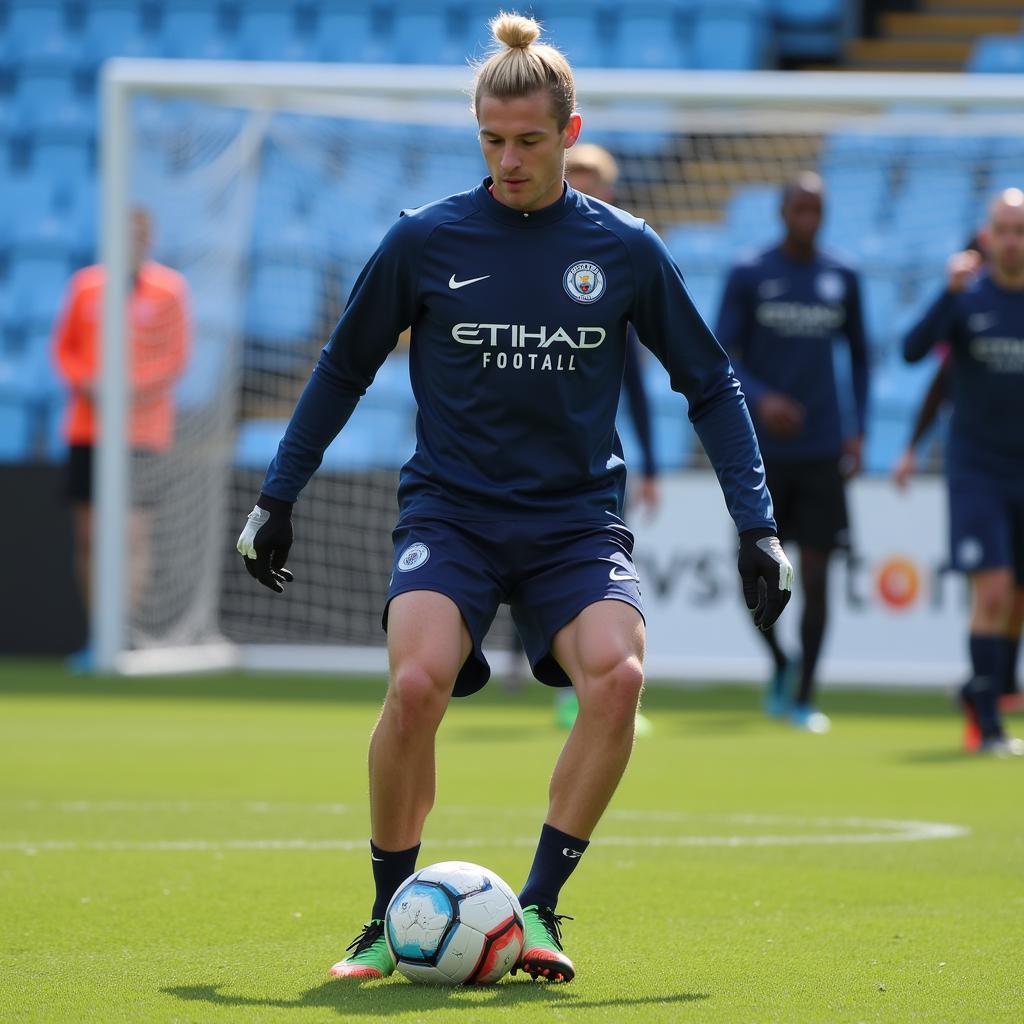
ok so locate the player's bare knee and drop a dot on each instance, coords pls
(615, 693)
(417, 698)
(993, 605)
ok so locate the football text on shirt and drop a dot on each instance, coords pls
(517, 337)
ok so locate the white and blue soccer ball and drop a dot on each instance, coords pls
(454, 923)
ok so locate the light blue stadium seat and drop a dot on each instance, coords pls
(204, 377)
(933, 210)
(25, 201)
(812, 28)
(351, 31)
(706, 291)
(699, 247)
(285, 298)
(15, 427)
(650, 36)
(37, 284)
(671, 430)
(856, 197)
(43, 85)
(270, 31)
(192, 28)
(729, 34)
(576, 29)
(29, 20)
(114, 28)
(997, 55)
(882, 306)
(374, 438)
(428, 34)
(752, 216)
(897, 389)
(50, 236)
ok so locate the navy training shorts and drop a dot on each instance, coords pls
(986, 525)
(547, 574)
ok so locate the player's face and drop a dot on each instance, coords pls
(802, 213)
(589, 182)
(1006, 238)
(524, 149)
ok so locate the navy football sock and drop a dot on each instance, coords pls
(556, 858)
(988, 660)
(390, 870)
(1010, 676)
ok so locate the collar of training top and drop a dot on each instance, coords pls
(523, 218)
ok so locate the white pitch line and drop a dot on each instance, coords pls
(900, 832)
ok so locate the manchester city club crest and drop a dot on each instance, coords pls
(584, 281)
(831, 287)
(413, 557)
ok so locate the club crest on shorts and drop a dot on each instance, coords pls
(969, 552)
(584, 281)
(413, 557)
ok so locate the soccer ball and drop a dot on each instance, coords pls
(454, 923)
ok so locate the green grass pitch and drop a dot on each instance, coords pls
(195, 850)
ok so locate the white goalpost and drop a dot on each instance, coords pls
(270, 184)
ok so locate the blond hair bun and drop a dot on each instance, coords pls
(514, 30)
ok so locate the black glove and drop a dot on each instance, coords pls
(265, 542)
(767, 575)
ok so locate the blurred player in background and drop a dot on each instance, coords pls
(980, 314)
(781, 313)
(519, 293)
(592, 170)
(936, 397)
(158, 347)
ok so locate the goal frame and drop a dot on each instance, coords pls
(313, 87)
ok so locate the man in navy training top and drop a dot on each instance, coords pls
(980, 313)
(781, 314)
(519, 293)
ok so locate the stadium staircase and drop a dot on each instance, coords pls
(939, 36)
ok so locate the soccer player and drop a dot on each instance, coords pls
(980, 313)
(935, 398)
(518, 292)
(781, 312)
(158, 345)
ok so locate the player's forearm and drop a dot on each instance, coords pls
(324, 407)
(929, 411)
(727, 434)
(935, 326)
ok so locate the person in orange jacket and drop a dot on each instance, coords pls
(158, 346)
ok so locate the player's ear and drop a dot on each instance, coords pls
(573, 129)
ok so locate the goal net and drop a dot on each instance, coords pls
(270, 185)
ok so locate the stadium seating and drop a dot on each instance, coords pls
(880, 186)
(812, 28)
(998, 55)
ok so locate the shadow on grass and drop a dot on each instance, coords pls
(375, 998)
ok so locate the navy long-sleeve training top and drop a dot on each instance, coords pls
(519, 327)
(984, 326)
(778, 321)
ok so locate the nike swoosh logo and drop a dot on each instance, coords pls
(616, 574)
(379, 860)
(453, 284)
